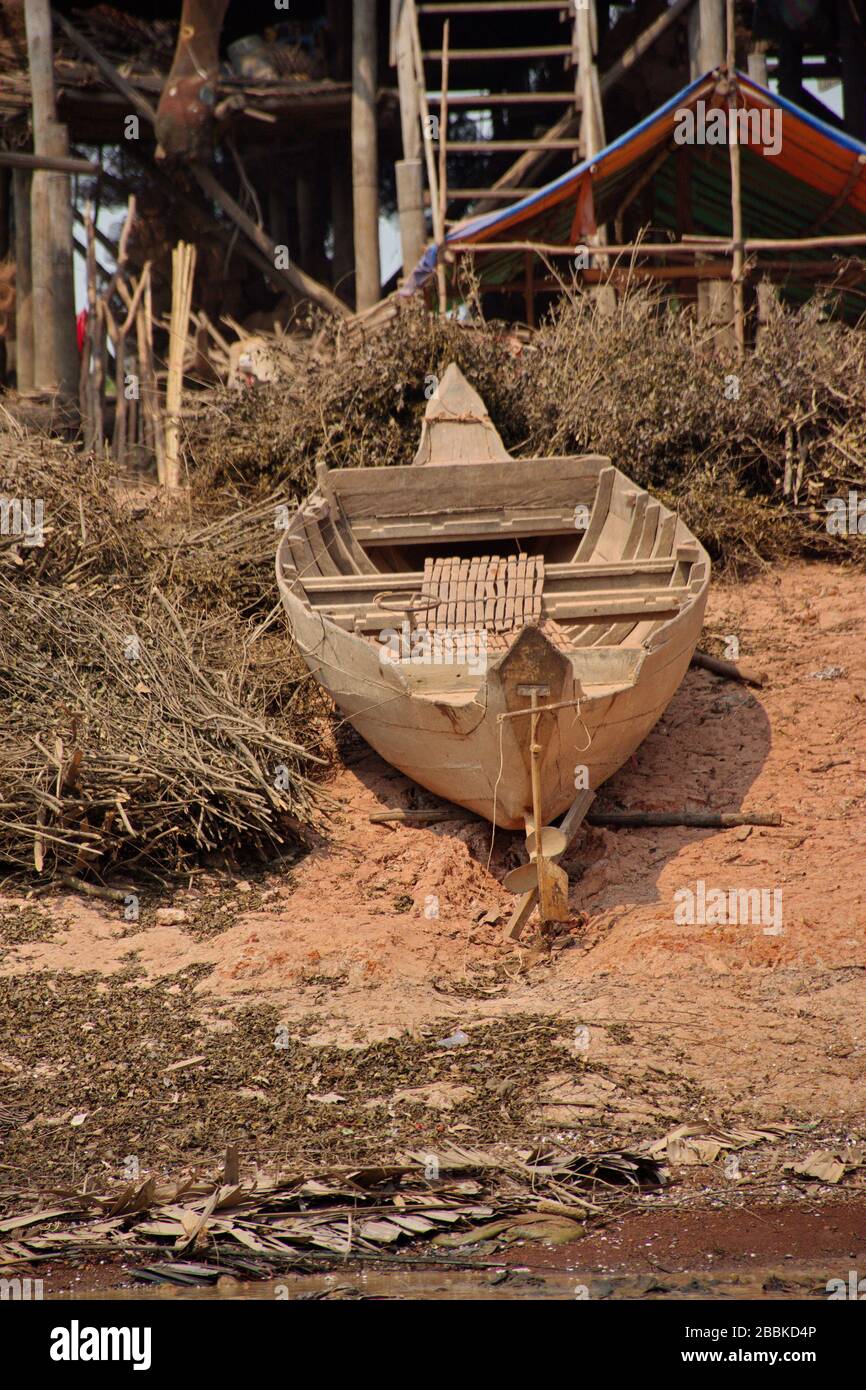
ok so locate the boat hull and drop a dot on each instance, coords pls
(459, 748)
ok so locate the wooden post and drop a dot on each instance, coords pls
(852, 35)
(150, 391)
(55, 349)
(410, 180)
(365, 166)
(737, 260)
(5, 248)
(592, 127)
(757, 63)
(706, 36)
(23, 281)
(592, 117)
(441, 279)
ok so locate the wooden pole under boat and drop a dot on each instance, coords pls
(552, 881)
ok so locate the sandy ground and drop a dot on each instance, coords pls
(386, 933)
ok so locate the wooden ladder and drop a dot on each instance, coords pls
(533, 153)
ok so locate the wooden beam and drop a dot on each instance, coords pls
(719, 246)
(138, 102)
(17, 159)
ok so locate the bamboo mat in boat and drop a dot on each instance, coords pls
(491, 592)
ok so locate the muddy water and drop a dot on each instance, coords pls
(470, 1286)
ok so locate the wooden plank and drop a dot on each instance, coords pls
(410, 491)
(634, 604)
(599, 514)
(553, 578)
(318, 544)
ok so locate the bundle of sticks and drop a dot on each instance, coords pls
(183, 270)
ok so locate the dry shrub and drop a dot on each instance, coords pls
(359, 407)
(748, 453)
(144, 720)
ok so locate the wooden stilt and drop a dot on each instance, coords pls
(5, 247)
(91, 394)
(365, 176)
(852, 34)
(23, 281)
(55, 359)
(443, 159)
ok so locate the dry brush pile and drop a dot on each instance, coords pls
(748, 453)
(144, 720)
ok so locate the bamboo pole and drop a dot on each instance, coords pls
(91, 393)
(183, 270)
(736, 190)
(698, 246)
(443, 157)
(152, 390)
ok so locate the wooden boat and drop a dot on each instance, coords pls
(504, 631)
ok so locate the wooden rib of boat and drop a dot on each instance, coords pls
(504, 631)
